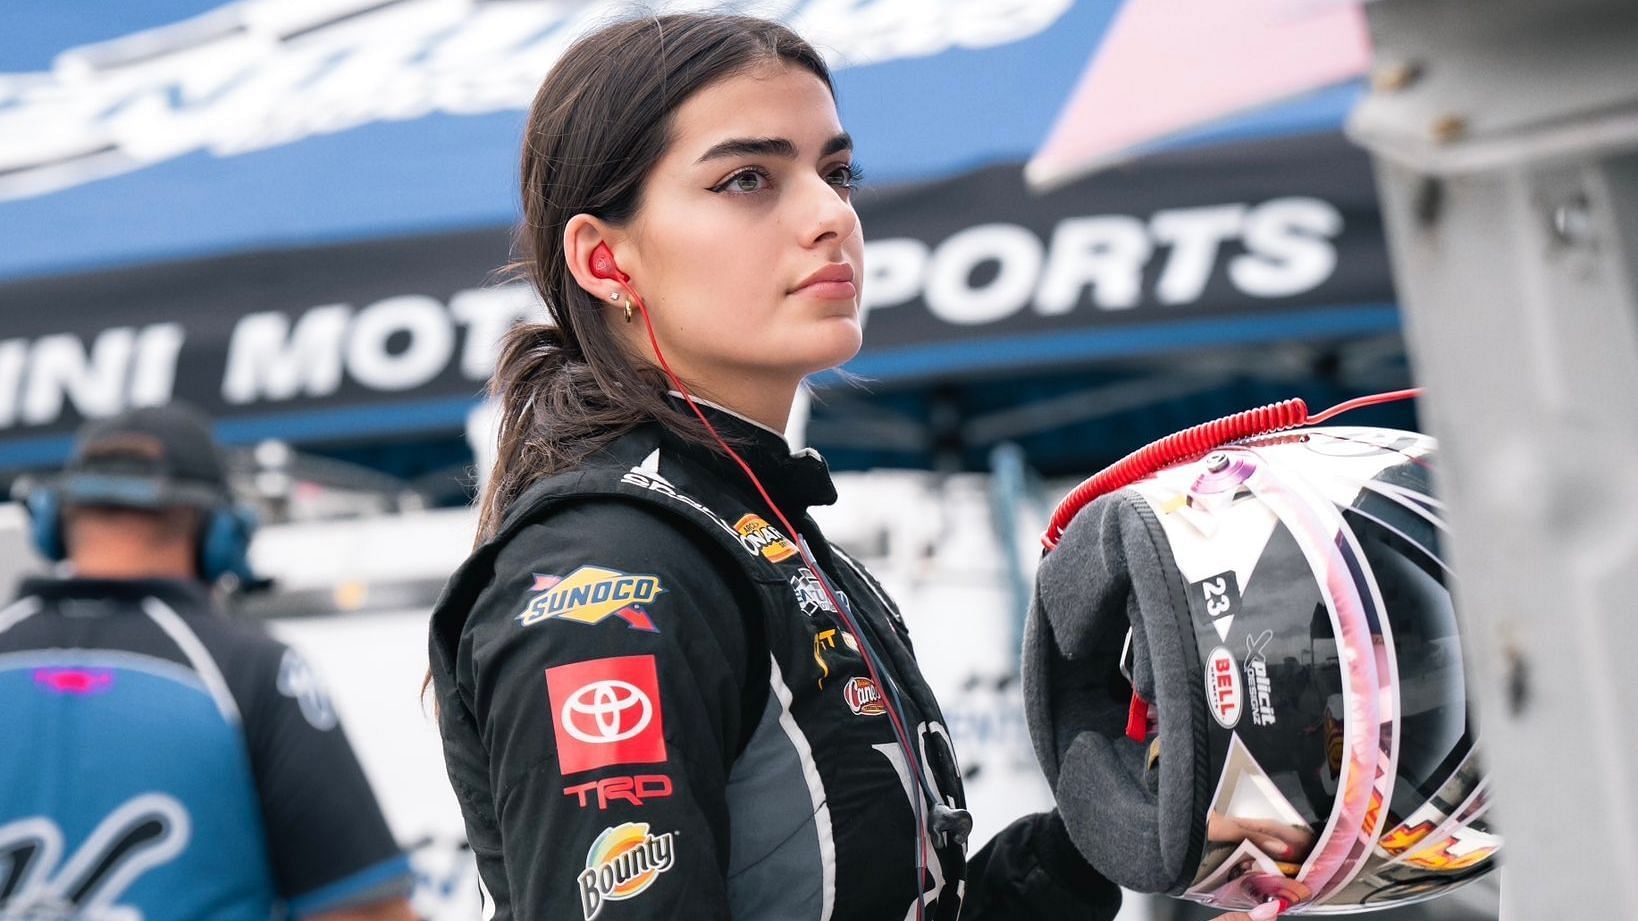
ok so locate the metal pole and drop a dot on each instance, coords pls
(1506, 139)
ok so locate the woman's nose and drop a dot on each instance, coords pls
(832, 215)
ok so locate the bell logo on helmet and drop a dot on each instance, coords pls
(1223, 695)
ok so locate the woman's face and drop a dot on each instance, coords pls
(747, 248)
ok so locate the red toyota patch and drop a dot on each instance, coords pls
(606, 711)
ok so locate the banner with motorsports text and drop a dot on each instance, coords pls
(293, 214)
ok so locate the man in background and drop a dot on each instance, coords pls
(158, 760)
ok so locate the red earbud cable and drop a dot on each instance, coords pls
(900, 732)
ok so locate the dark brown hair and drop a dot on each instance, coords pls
(598, 125)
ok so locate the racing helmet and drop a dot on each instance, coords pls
(1244, 679)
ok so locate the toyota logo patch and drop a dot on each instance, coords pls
(606, 711)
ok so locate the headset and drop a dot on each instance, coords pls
(223, 544)
(945, 822)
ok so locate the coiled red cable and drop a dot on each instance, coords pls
(1195, 442)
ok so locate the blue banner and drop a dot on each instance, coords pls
(158, 130)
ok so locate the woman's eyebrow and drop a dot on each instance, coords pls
(782, 148)
(837, 144)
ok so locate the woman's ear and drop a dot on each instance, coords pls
(581, 237)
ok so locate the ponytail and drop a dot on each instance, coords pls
(556, 407)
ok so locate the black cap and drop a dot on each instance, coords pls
(151, 457)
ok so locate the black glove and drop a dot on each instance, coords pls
(1033, 870)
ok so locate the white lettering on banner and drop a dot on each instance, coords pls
(894, 273)
(255, 74)
(858, 32)
(124, 367)
(153, 375)
(1289, 247)
(13, 358)
(1106, 254)
(950, 294)
(428, 333)
(394, 344)
(487, 313)
(269, 360)
(1290, 244)
(1194, 234)
(60, 367)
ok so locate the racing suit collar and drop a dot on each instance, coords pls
(796, 480)
(175, 592)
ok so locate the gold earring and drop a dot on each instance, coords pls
(628, 310)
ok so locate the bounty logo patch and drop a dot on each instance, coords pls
(759, 536)
(592, 594)
(622, 863)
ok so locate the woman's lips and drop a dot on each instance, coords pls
(829, 290)
(831, 282)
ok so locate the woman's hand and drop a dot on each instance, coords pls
(1277, 840)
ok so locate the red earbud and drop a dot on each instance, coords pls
(602, 265)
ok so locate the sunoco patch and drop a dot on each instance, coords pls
(592, 594)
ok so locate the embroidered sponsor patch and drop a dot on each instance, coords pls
(810, 597)
(863, 697)
(635, 790)
(622, 863)
(606, 711)
(762, 537)
(592, 594)
(826, 640)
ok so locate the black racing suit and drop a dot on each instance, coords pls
(650, 710)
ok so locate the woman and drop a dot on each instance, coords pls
(662, 693)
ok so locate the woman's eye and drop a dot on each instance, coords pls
(846, 176)
(747, 181)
